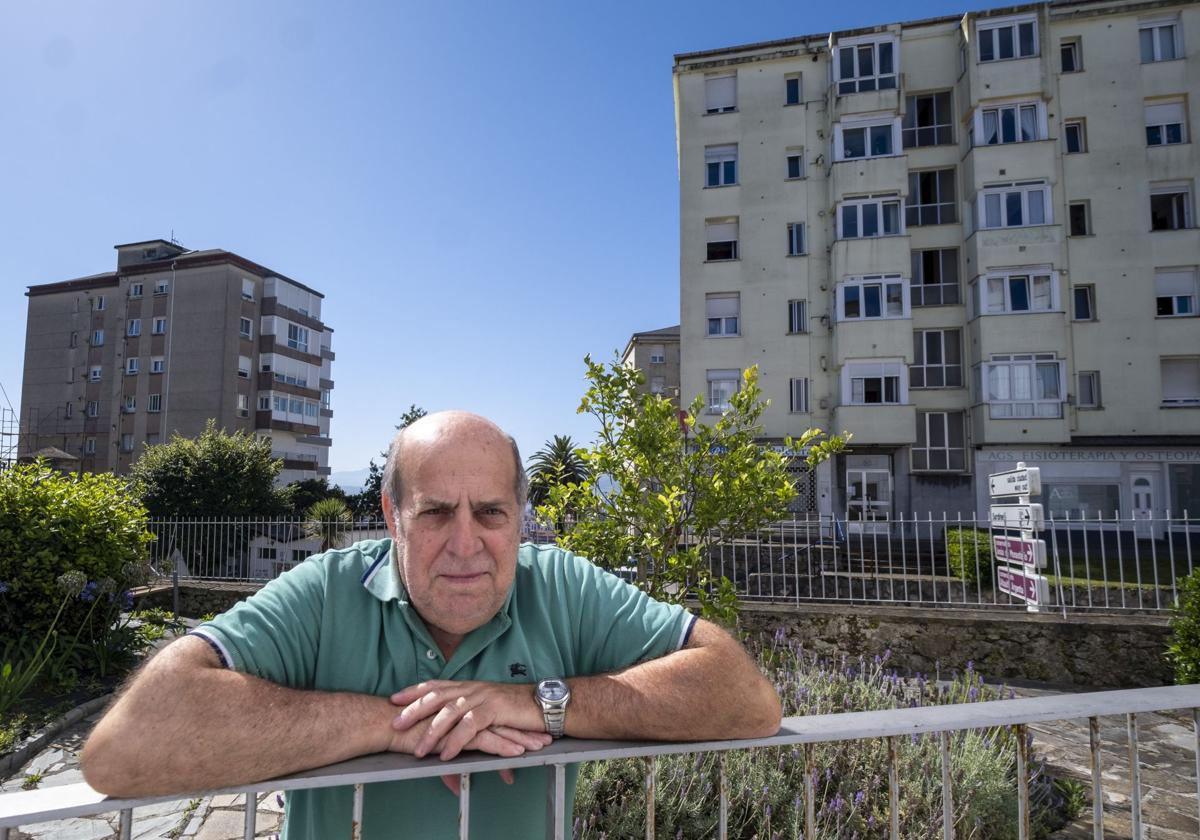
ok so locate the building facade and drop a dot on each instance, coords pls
(167, 341)
(656, 354)
(968, 241)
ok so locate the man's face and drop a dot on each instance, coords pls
(459, 527)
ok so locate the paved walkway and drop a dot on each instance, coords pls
(1166, 748)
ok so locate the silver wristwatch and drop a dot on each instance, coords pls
(553, 696)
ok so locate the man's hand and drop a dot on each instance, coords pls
(458, 714)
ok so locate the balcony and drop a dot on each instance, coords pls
(990, 429)
(878, 424)
(866, 102)
(1009, 77)
(1033, 245)
(872, 338)
(871, 255)
(861, 176)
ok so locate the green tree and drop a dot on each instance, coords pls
(558, 462)
(663, 489)
(215, 474)
(306, 493)
(1183, 647)
(329, 520)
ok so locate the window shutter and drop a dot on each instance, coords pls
(1164, 113)
(1174, 283)
(720, 92)
(721, 231)
(721, 306)
(1181, 379)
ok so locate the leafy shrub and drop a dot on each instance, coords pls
(1183, 649)
(51, 524)
(966, 546)
(851, 778)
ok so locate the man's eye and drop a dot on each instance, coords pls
(492, 512)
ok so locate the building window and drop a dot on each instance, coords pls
(720, 165)
(1020, 204)
(877, 138)
(97, 338)
(1008, 293)
(928, 120)
(722, 311)
(873, 296)
(132, 364)
(154, 403)
(74, 340)
(941, 442)
(94, 373)
(264, 402)
(325, 399)
(159, 326)
(792, 90)
(297, 338)
(797, 316)
(1075, 134)
(156, 364)
(721, 238)
(935, 277)
(98, 303)
(1083, 299)
(161, 287)
(1070, 55)
(795, 233)
(69, 411)
(1181, 380)
(89, 446)
(874, 383)
(798, 396)
(866, 66)
(795, 163)
(1175, 292)
(657, 384)
(1165, 122)
(243, 405)
(130, 405)
(1170, 206)
(245, 328)
(244, 367)
(1079, 218)
(1159, 40)
(1185, 489)
(658, 354)
(931, 198)
(937, 359)
(247, 289)
(93, 408)
(133, 327)
(720, 94)
(870, 216)
(1024, 385)
(127, 442)
(722, 385)
(1010, 38)
(266, 553)
(153, 439)
(135, 290)
(1087, 389)
(1017, 123)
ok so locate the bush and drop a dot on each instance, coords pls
(1183, 649)
(767, 785)
(964, 547)
(51, 524)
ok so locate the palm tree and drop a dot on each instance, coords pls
(328, 520)
(558, 462)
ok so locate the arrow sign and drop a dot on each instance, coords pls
(1032, 589)
(1021, 517)
(1031, 553)
(1026, 481)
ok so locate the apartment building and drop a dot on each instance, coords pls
(170, 339)
(970, 241)
(656, 354)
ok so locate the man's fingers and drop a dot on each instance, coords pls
(531, 741)
(454, 725)
(507, 777)
(451, 781)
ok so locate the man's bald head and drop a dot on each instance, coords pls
(449, 426)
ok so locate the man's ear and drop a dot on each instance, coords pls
(389, 517)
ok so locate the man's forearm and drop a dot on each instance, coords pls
(184, 727)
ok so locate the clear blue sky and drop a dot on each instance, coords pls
(484, 191)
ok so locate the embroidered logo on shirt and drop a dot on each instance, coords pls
(517, 669)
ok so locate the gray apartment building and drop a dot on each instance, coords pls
(171, 338)
(656, 354)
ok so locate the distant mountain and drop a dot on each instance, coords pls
(351, 481)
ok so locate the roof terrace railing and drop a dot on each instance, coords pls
(56, 803)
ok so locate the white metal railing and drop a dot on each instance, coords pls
(57, 803)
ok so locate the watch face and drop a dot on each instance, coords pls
(553, 690)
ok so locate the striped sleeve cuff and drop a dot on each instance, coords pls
(216, 644)
(685, 634)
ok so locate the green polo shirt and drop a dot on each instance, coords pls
(341, 621)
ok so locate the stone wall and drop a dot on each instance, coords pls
(1086, 651)
(197, 599)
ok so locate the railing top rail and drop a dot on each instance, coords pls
(27, 807)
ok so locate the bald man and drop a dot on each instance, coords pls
(448, 636)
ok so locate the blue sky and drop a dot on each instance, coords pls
(485, 192)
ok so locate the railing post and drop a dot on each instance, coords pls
(1135, 778)
(723, 803)
(894, 787)
(947, 795)
(357, 814)
(1097, 790)
(125, 827)
(1196, 731)
(175, 585)
(651, 766)
(250, 823)
(464, 806)
(1022, 781)
(556, 801)
(810, 793)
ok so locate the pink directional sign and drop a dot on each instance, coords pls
(1031, 553)
(1030, 588)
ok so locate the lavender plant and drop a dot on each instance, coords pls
(850, 779)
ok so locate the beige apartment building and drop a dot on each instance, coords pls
(970, 241)
(168, 340)
(656, 354)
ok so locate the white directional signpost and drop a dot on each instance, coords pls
(1025, 552)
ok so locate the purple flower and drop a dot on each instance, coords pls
(3, 587)
(973, 694)
(127, 599)
(768, 811)
(859, 797)
(89, 592)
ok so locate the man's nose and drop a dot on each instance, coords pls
(464, 533)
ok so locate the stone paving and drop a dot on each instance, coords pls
(1166, 749)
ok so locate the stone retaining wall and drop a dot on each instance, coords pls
(1081, 650)
(198, 599)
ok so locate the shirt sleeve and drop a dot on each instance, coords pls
(274, 634)
(618, 625)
